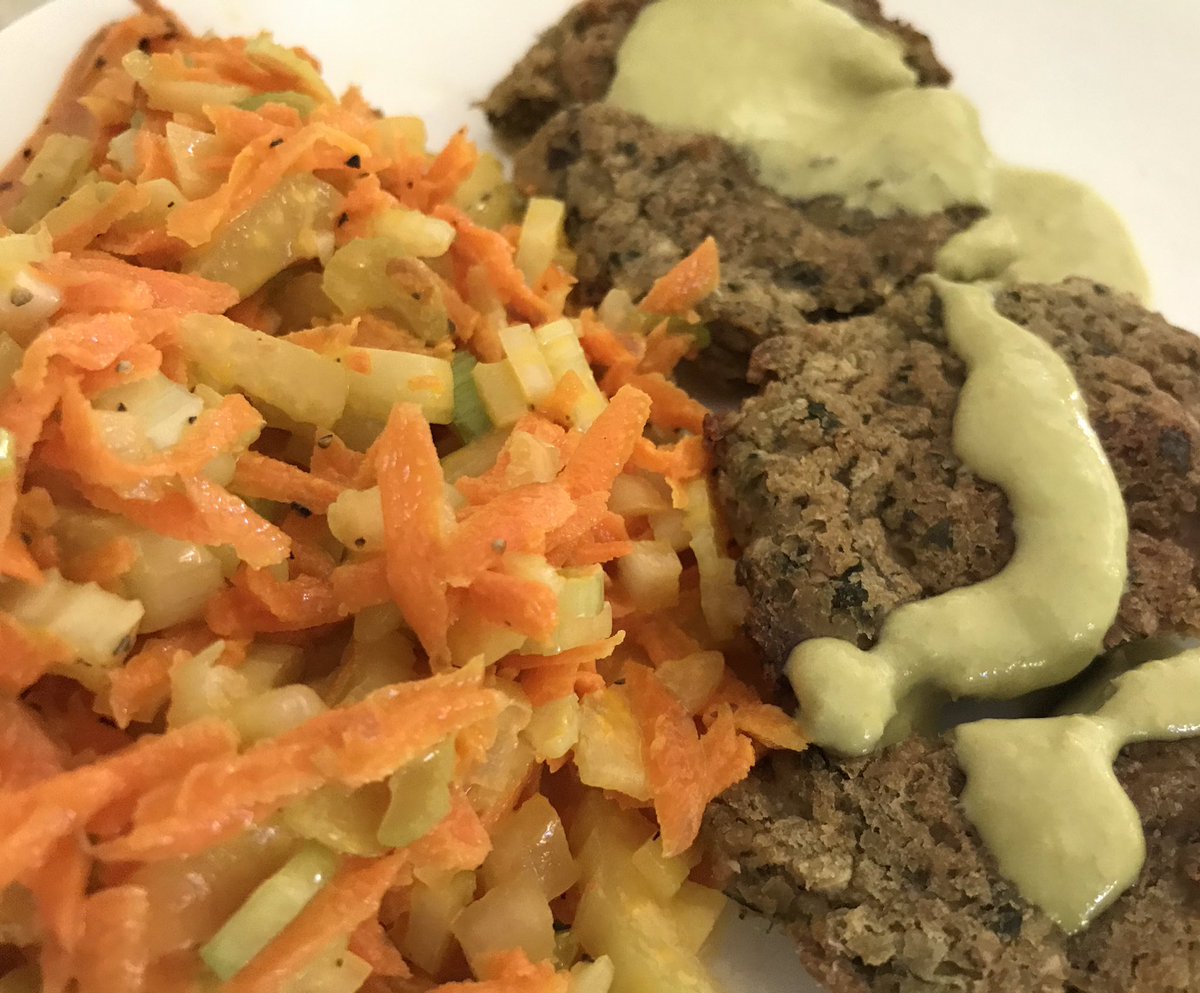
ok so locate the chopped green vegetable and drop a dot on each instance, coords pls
(301, 103)
(470, 418)
(269, 909)
(420, 797)
(264, 50)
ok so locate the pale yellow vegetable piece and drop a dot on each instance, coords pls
(414, 233)
(99, 627)
(635, 494)
(696, 910)
(179, 96)
(437, 899)
(52, 174)
(722, 600)
(268, 369)
(662, 874)
(592, 977)
(528, 362)
(420, 797)
(608, 754)
(272, 712)
(355, 518)
(501, 392)
(541, 234)
(200, 687)
(344, 820)
(559, 341)
(554, 728)
(514, 914)
(401, 377)
(693, 678)
(187, 147)
(531, 839)
(650, 574)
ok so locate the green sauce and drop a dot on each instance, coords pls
(1046, 801)
(824, 105)
(827, 106)
(1044, 616)
(1043, 228)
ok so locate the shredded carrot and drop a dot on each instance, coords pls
(259, 476)
(687, 284)
(112, 953)
(513, 601)
(351, 897)
(28, 654)
(105, 564)
(607, 444)
(684, 770)
(512, 972)
(411, 488)
(372, 945)
(770, 726)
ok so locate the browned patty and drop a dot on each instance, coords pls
(842, 488)
(640, 198)
(886, 887)
(575, 61)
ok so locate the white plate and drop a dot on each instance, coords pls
(1106, 90)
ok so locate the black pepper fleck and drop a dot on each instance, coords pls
(354, 162)
(121, 408)
(325, 441)
(275, 142)
(300, 509)
(144, 45)
(360, 542)
(192, 419)
(20, 296)
(343, 217)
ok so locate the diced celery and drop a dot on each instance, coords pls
(377, 621)
(470, 418)
(486, 196)
(334, 971)
(278, 230)
(401, 377)
(437, 899)
(515, 914)
(268, 910)
(395, 135)
(541, 232)
(272, 712)
(531, 839)
(583, 616)
(269, 369)
(582, 592)
(301, 103)
(367, 274)
(563, 353)
(51, 175)
(528, 363)
(98, 626)
(500, 390)
(163, 407)
(595, 976)
(608, 754)
(693, 678)
(413, 233)
(420, 797)
(264, 50)
(722, 600)
(356, 519)
(650, 574)
(370, 664)
(345, 820)
(179, 96)
(475, 458)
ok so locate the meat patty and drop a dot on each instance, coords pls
(886, 887)
(574, 62)
(639, 198)
(841, 486)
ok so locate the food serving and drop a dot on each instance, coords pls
(366, 621)
(965, 473)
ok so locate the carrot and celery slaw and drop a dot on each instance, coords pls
(364, 620)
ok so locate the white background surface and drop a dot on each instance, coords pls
(1106, 90)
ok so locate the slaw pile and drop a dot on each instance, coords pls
(365, 621)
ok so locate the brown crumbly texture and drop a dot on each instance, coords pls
(841, 485)
(575, 61)
(886, 888)
(640, 198)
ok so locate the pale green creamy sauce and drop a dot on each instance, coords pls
(1046, 801)
(826, 106)
(1043, 617)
